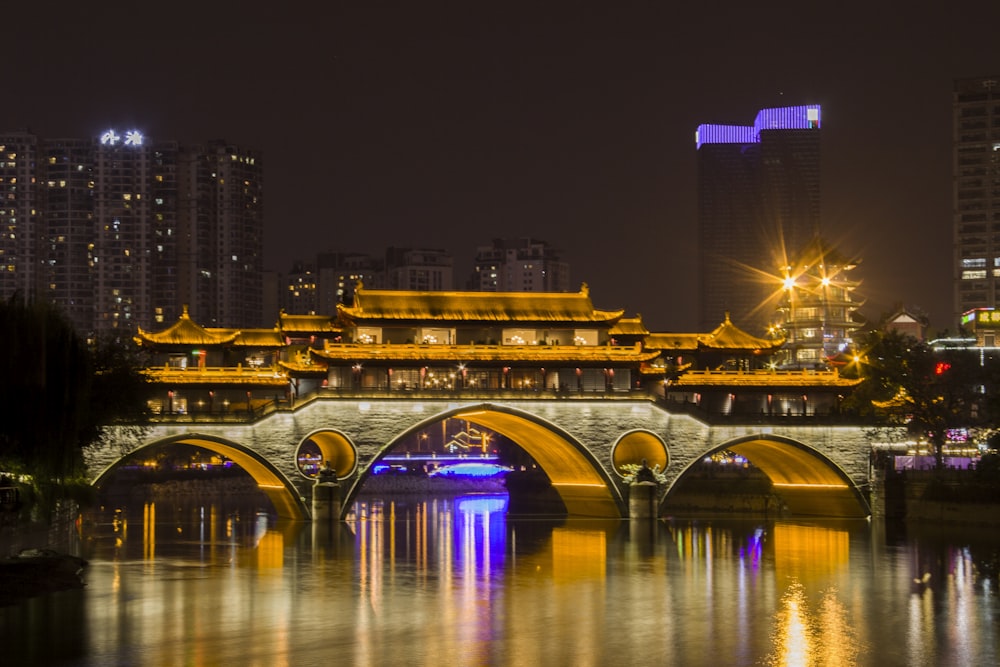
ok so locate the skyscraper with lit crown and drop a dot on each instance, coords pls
(758, 203)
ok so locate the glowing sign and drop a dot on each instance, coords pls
(130, 138)
(987, 318)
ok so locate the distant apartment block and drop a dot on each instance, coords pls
(316, 288)
(121, 231)
(420, 269)
(519, 265)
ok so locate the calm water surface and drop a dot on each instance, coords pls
(453, 581)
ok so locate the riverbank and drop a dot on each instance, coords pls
(937, 496)
(37, 572)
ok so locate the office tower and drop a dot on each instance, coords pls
(758, 204)
(519, 265)
(976, 209)
(121, 232)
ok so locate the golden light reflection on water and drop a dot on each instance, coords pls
(804, 636)
(809, 552)
(457, 582)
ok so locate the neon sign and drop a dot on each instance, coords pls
(129, 138)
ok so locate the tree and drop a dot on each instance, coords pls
(120, 392)
(59, 393)
(928, 392)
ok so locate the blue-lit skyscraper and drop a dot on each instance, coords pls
(758, 203)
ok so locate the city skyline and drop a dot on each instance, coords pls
(445, 126)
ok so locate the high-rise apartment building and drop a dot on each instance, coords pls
(976, 191)
(519, 265)
(121, 232)
(20, 194)
(758, 204)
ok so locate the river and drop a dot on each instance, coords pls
(455, 581)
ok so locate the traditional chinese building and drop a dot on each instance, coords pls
(214, 370)
(549, 344)
(402, 340)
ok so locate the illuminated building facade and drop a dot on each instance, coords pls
(20, 202)
(519, 265)
(817, 307)
(119, 231)
(396, 343)
(758, 195)
(976, 209)
(983, 327)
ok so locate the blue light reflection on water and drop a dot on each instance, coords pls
(480, 534)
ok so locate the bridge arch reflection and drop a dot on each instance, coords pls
(579, 479)
(808, 482)
(288, 504)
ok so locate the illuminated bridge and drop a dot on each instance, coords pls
(582, 445)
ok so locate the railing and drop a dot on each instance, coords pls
(227, 374)
(474, 352)
(717, 417)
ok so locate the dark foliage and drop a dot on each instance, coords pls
(928, 392)
(58, 393)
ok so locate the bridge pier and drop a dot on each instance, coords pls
(642, 500)
(326, 501)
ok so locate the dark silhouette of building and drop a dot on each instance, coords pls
(976, 169)
(758, 204)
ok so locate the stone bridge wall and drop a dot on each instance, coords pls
(597, 424)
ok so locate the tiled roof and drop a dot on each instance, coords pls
(513, 307)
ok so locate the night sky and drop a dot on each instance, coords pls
(446, 125)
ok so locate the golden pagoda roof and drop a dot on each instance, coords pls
(512, 307)
(185, 331)
(629, 326)
(549, 354)
(762, 378)
(901, 399)
(297, 368)
(307, 324)
(726, 336)
(258, 338)
(672, 341)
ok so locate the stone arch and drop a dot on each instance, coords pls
(808, 481)
(335, 448)
(636, 446)
(276, 486)
(576, 475)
